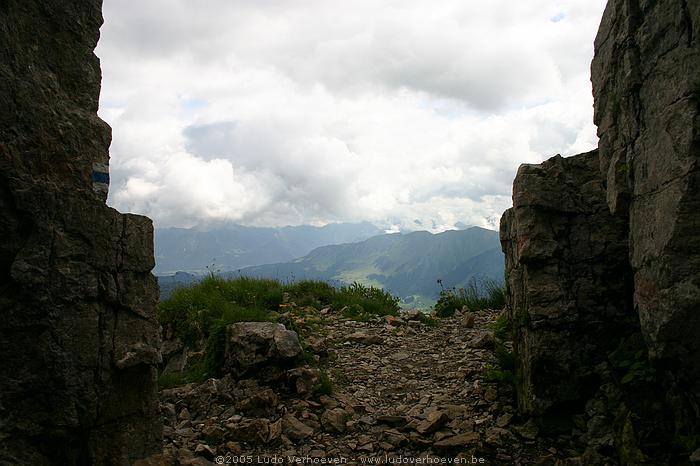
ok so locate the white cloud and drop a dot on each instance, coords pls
(275, 112)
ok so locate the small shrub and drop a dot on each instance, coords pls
(356, 312)
(506, 364)
(502, 328)
(430, 321)
(504, 356)
(192, 311)
(499, 376)
(449, 302)
(250, 292)
(325, 386)
(495, 295)
(637, 371)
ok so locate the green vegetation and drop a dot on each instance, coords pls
(487, 294)
(502, 328)
(499, 376)
(325, 386)
(502, 332)
(199, 314)
(504, 356)
(637, 370)
(196, 374)
(625, 169)
(311, 293)
(687, 443)
(362, 302)
(430, 321)
(194, 312)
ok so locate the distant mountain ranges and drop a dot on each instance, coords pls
(232, 247)
(408, 265)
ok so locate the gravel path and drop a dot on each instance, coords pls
(404, 392)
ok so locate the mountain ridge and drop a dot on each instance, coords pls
(407, 265)
(231, 247)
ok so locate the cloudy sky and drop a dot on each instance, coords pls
(406, 113)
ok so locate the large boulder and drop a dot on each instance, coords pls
(78, 334)
(262, 349)
(568, 281)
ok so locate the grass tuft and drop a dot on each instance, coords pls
(362, 301)
(476, 296)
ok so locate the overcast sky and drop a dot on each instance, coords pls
(406, 113)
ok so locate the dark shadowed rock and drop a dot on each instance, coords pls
(366, 338)
(295, 429)
(433, 422)
(252, 430)
(457, 441)
(260, 403)
(566, 261)
(78, 335)
(333, 420)
(302, 380)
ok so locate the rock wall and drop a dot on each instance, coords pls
(568, 279)
(606, 301)
(646, 82)
(78, 335)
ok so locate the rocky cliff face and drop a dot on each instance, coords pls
(78, 335)
(608, 298)
(646, 80)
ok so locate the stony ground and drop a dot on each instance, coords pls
(403, 391)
